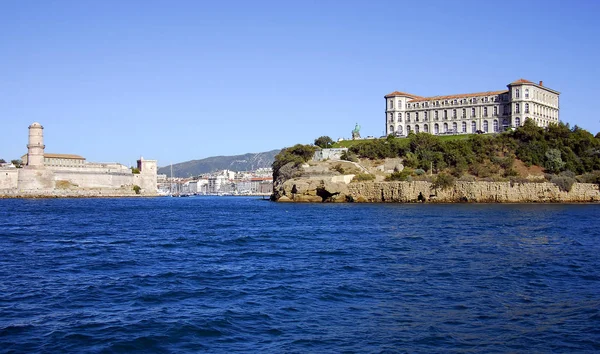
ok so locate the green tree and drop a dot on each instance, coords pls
(17, 163)
(2, 161)
(554, 162)
(295, 155)
(323, 142)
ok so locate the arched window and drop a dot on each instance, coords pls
(454, 127)
(408, 128)
(399, 117)
(445, 127)
(495, 125)
(416, 128)
(517, 93)
(485, 126)
(435, 114)
(495, 110)
(391, 104)
(445, 113)
(517, 122)
(391, 129)
(464, 113)
(473, 127)
(526, 107)
(472, 111)
(399, 104)
(517, 108)
(425, 116)
(526, 93)
(485, 111)
(436, 129)
(391, 117)
(464, 127)
(426, 128)
(400, 129)
(416, 118)
(408, 117)
(454, 113)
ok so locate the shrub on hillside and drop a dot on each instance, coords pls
(363, 177)
(339, 169)
(349, 156)
(563, 183)
(399, 176)
(510, 172)
(443, 181)
(591, 177)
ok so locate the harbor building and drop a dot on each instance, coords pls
(71, 175)
(481, 112)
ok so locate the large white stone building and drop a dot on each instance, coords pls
(72, 175)
(487, 112)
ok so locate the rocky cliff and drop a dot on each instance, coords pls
(313, 184)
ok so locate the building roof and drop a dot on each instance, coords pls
(63, 156)
(521, 81)
(463, 95)
(398, 93)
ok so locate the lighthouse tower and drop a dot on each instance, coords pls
(35, 146)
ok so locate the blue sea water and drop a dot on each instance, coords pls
(225, 274)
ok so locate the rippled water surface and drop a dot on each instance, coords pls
(244, 275)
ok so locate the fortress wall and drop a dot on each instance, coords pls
(35, 179)
(9, 178)
(93, 168)
(94, 179)
(147, 182)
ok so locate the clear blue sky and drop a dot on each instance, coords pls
(182, 80)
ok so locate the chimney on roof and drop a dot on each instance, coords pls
(541, 83)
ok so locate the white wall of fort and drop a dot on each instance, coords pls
(9, 178)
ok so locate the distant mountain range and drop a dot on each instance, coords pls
(246, 162)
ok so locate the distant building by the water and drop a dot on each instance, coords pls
(481, 112)
(46, 173)
(258, 182)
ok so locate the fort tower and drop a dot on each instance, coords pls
(35, 146)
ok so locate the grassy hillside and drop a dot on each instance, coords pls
(246, 162)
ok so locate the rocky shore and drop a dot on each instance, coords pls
(318, 182)
(322, 190)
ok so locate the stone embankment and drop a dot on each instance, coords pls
(73, 193)
(327, 189)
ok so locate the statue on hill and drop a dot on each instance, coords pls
(356, 132)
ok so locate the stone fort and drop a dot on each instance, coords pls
(71, 175)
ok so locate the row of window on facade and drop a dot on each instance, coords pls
(449, 102)
(544, 97)
(62, 162)
(446, 127)
(506, 111)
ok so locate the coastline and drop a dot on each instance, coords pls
(319, 190)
